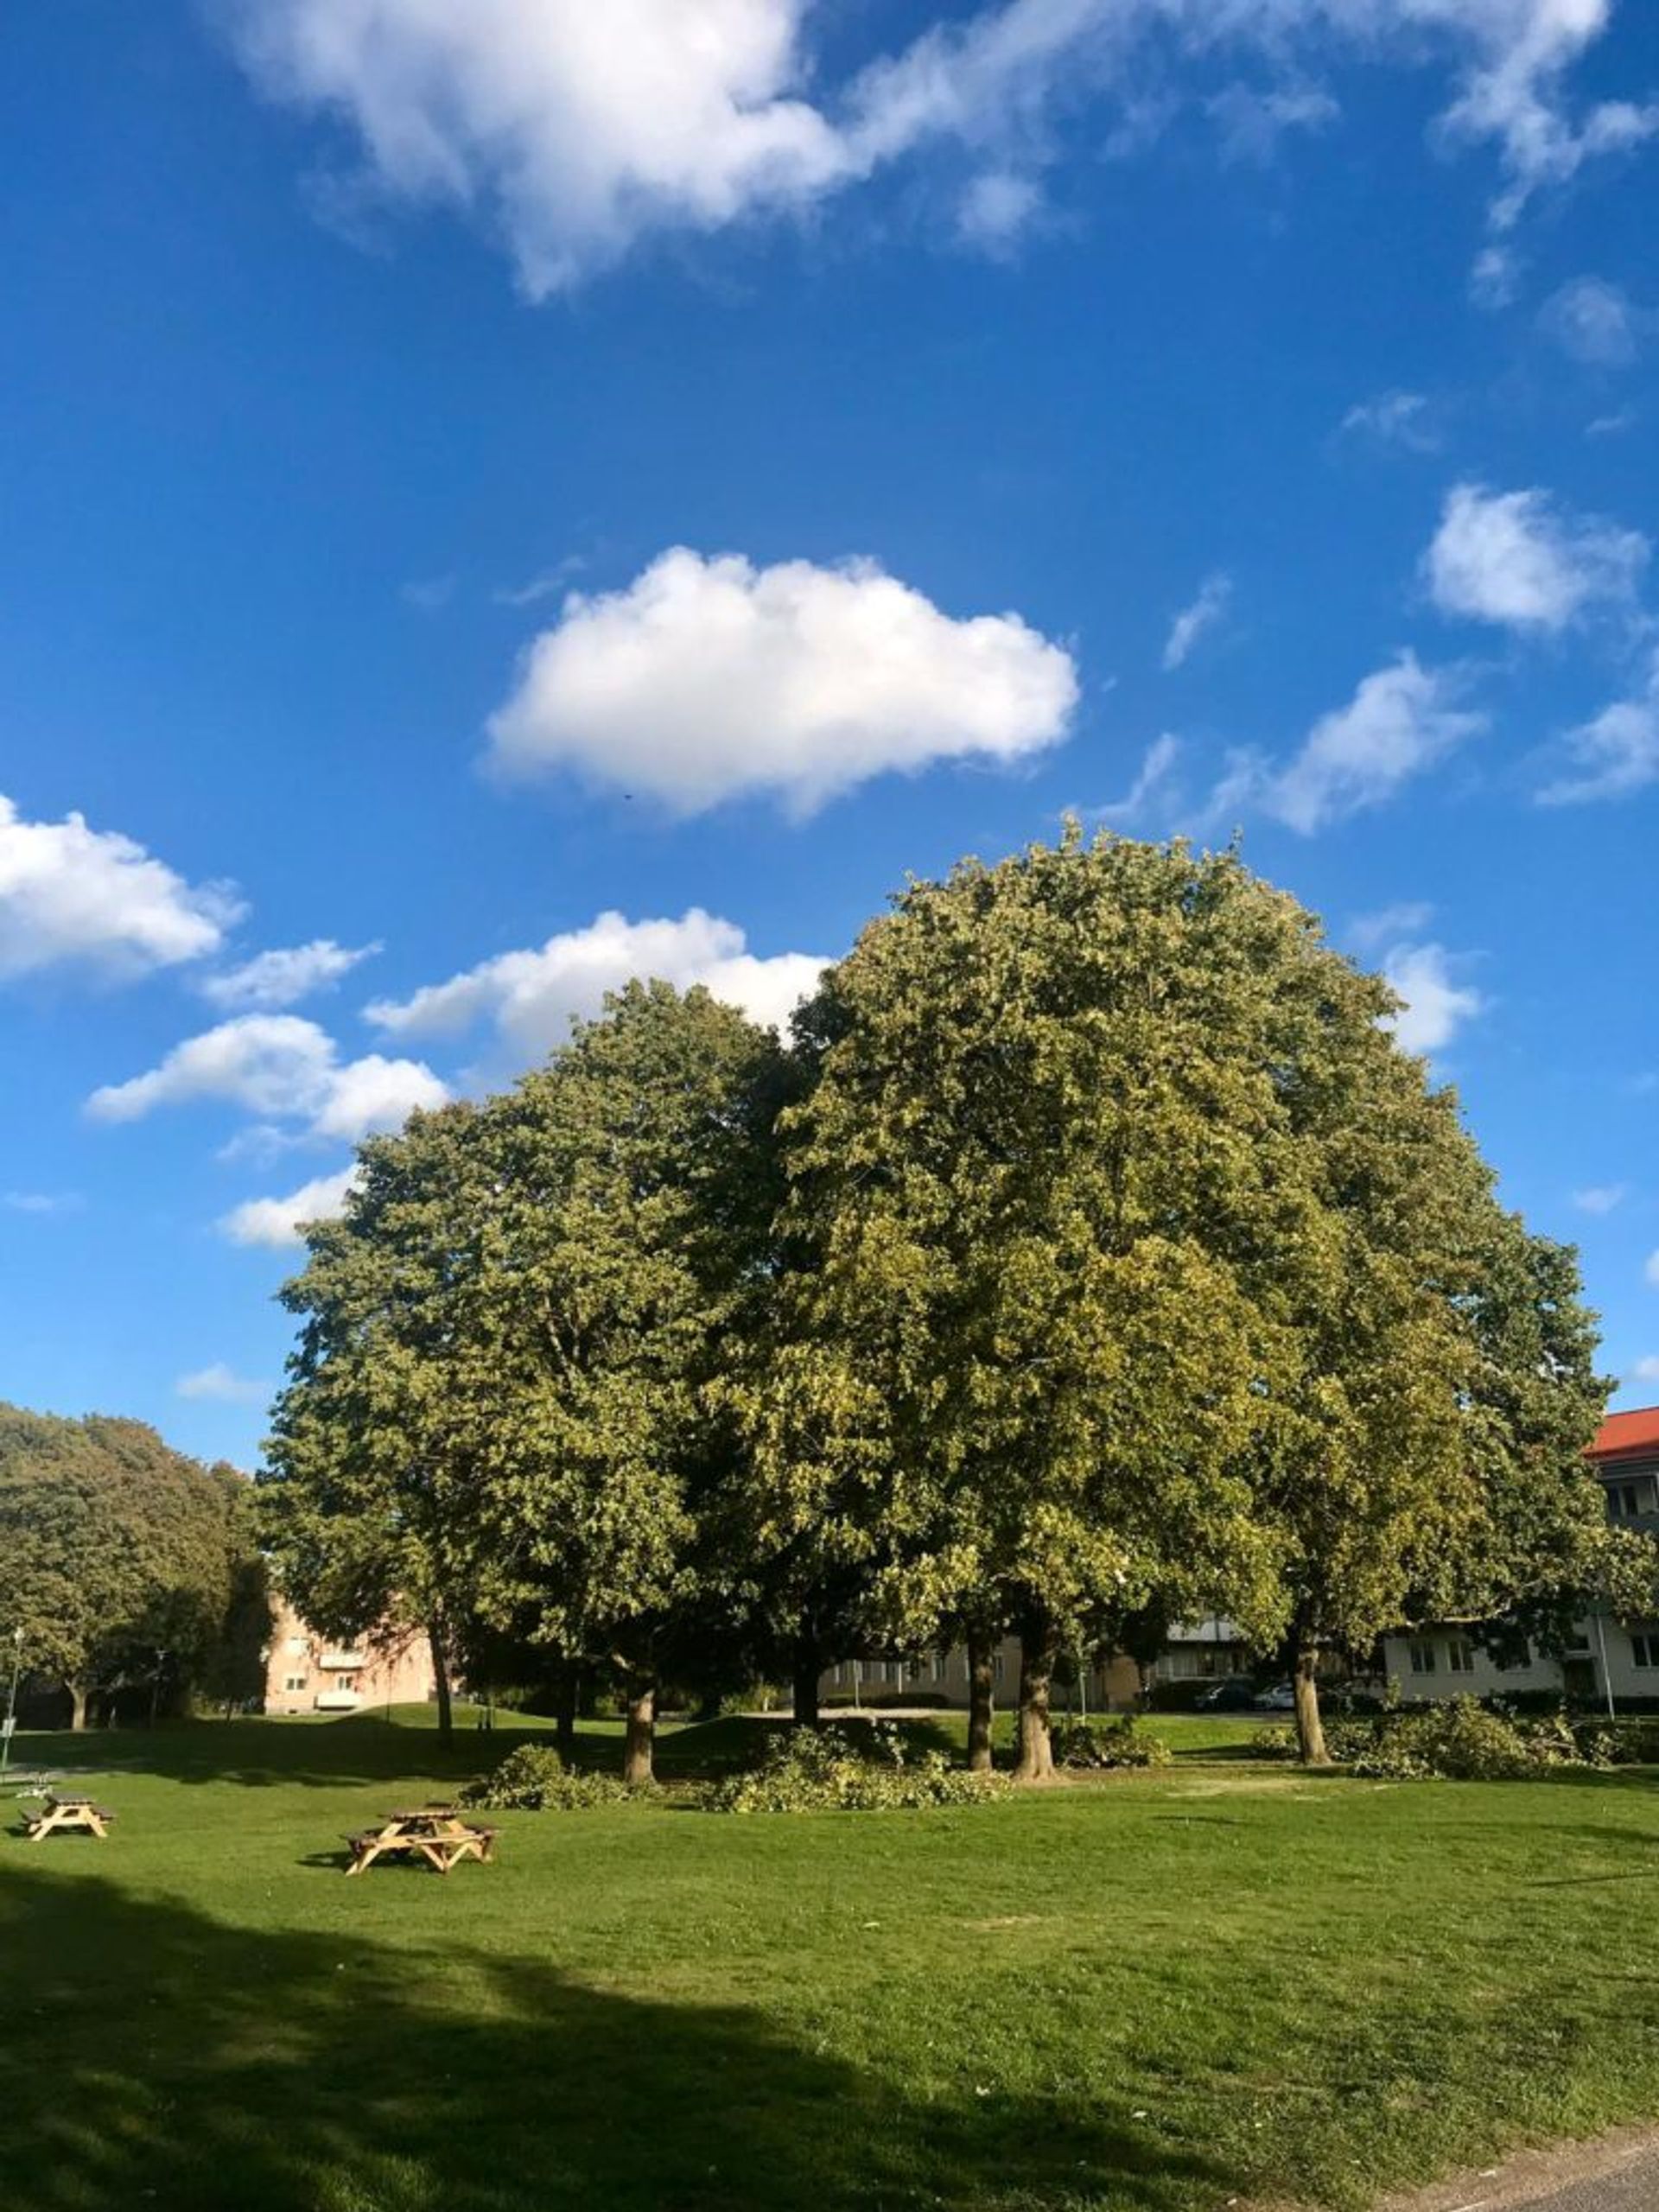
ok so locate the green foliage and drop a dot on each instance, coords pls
(533, 1778)
(821, 1770)
(1462, 1740)
(1632, 1742)
(1109, 1743)
(124, 1563)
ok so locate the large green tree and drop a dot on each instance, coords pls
(1021, 1377)
(631, 1255)
(119, 1558)
(370, 1487)
(1147, 1270)
(499, 1419)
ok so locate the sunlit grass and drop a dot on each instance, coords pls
(1154, 1992)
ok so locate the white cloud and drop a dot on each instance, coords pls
(1601, 1197)
(1614, 753)
(1495, 280)
(1403, 720)
(281, 1068)
(223, 1386)
(578, 130)
(1652, 1269)
(275, 1222)
(1517, 559)
(1399, 418)
(1647, 1369)
(72, 895)
(41, 1203)
(1390, 924)
(1613, 425)
(997, 209)
(1155, 772)
(1436, 1006)
(531, 997)
(282, 978)
(428, 594)
(1252, 123)
(1593, 321)
(706, 679)
(541, 586)
(1197, 621)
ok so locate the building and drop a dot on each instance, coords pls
(940, 1678)
(308, 1672)
(1613, 1661)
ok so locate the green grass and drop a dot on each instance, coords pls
(1154, 1993)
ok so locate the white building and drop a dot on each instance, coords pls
(1612, 1660)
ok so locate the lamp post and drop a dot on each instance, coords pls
(9, 1728)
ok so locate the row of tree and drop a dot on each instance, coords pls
(129, 1575)
(1092, 1255)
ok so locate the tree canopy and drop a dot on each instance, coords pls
(1095, 1256)
(122, 1562)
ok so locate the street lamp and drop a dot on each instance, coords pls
(8, 1729)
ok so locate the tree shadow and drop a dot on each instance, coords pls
(159, 2057)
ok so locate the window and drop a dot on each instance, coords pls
(1622, 1501)
(294, 1682)
(344, 1682)
(1644, 1647)
(297, 1647)
(1422, 1658)
(1460, 1656)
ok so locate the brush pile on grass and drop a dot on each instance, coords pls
(822, 1771)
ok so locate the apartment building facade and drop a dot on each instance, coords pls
(306, 1672)
(1612, 1661)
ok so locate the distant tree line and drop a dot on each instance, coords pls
(130, 1578)
(1090, 1256)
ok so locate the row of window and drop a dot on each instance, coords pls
(1423, 1655)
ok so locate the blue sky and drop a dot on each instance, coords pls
(497, 498)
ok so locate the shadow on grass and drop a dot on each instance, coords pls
(159, 2057)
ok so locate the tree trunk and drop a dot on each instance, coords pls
(1310, 1728)
(982, 1695)
(565, 1737)
(639, 1743)
(76, 1706)
(441, 1678)
(804, 1681)
(1037, 1640)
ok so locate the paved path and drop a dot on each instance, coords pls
(1619, 2174)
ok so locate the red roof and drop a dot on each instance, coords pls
(1627, 1436)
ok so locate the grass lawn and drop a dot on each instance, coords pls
(1159, 1994)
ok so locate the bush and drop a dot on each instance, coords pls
(818, 1770)
(1275, 1741)
(1108, 1744)
(535, 1779)
(1465, 1741)
(1619, 1743)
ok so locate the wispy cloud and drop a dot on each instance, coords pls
(428, 594)
(1402, 720)
(1599, 1198)
(1613, 754)
(1394, 418)
(1197, 620)
(1409, 917)
(221, 1385)
(1152, 781)
(42, 1203)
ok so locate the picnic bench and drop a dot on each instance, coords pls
(61, 1814)
(435, 1834)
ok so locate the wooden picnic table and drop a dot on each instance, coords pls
(436, 1834)
(64, 1813)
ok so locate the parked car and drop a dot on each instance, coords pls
(1282, 1698)
(1235, 1694)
